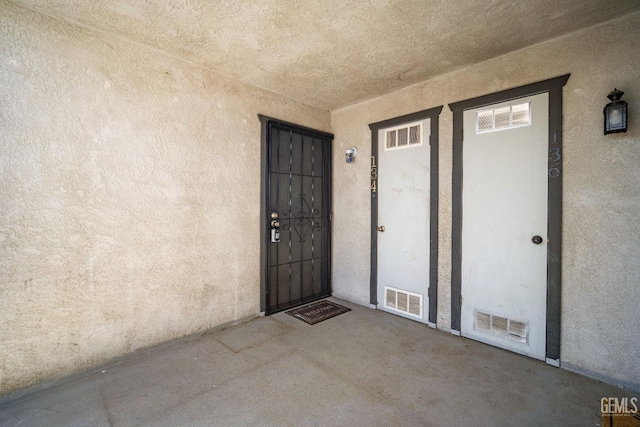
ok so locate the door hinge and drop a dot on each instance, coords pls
(460, 300)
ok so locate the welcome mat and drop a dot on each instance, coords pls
(318, 311)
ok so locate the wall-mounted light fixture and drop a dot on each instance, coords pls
(351, 154)
(615, 113)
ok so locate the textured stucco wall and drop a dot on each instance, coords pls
(129, 197)
(601, 267)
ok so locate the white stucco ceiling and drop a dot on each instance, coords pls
(332, 53)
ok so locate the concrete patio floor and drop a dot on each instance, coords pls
(362, 368)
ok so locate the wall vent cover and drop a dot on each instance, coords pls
(403, 301)
(503, 118)
(403, 136)
(512, 329)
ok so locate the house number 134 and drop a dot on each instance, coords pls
(374, 174)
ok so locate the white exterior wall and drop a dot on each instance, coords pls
(601, 236)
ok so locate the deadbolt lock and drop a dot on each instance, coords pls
(381, 228)
(274, 215)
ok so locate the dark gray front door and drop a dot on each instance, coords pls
(298, 207)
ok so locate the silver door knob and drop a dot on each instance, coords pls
(381, 228)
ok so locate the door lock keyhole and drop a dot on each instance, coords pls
(536, 239)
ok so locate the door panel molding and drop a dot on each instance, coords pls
(554, 227)
(433, 114)
(267, 124)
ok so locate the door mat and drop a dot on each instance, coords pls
(318, 311)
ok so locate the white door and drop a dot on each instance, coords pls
(403, 212)
(504, 225)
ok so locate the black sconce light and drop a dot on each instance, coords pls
(615, 113)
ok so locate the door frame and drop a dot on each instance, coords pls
(432, 293)
(265, 218)
(554, 203)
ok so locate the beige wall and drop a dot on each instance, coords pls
(601, 266)
(129, 194)
(129, 197)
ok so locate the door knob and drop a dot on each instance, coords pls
(536, 239)
(381, 228)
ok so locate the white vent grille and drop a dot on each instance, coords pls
(404, 136)
(403, 301)
(510, 117)
(504, 327)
